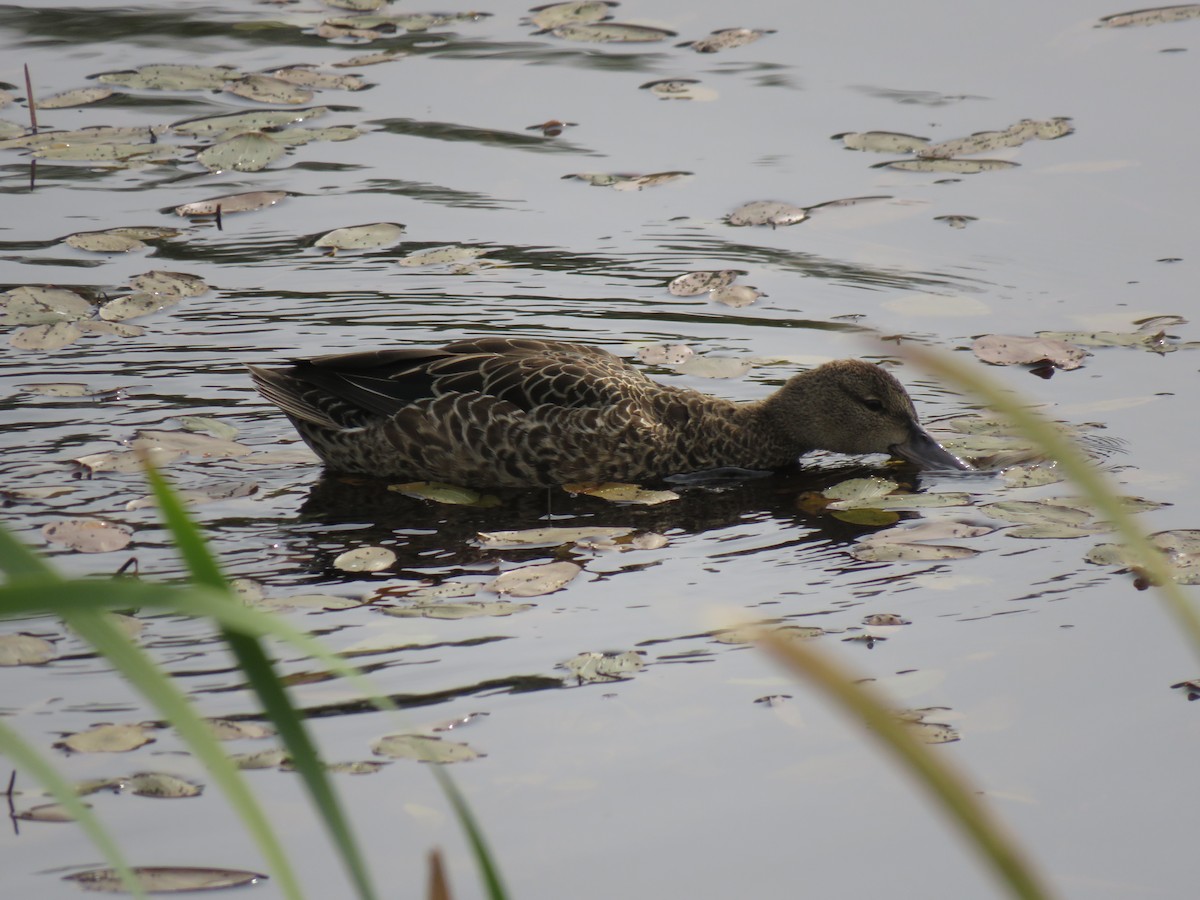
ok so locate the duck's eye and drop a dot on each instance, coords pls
(874, 404)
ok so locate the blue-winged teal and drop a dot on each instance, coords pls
(497, 412)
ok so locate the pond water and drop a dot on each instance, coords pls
(681, 780)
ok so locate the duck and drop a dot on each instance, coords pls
(518, 413)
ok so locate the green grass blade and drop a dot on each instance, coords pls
(20, 563)
(157, 687)
(26, 757)
(271, 694)
(935, 774)
(1075, 466)
(189, 541)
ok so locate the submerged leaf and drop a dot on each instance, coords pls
(255, 120)
(888, 552)
(439, 492)
(715, 367)
(441, 256)
(1181, 548)
(679, 89)
(470, 609)
(617, 492)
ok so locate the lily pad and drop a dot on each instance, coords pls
(179, 283)
(556, 14)
(133, 306)
(231, 203)
(906, 501)
(171, 77)
(162, 786)
(249, 152)
(310, 77)
(365, 559)
(87, 535)
(882, 141)
(1180, 547)
(205, 446)
(439, 492)
(665, 354)
(932, 530)
(1157, 16)
(107, 739)
(592, 668)
(310, 602)
(423, 747)
(25, 650)
(767, 212)
(1008, 350)
(611, 33)
(77, 97)
(165, 879)
(441, 256)
(361, 237)
(470, 609)
(232, 730)
(1037, 512)
(680, 89)
(888, 552)
(736, 295)
(617, 492)
(534, 581)
(860, 489)
(950, 166)
(547, 537)
(34, 305)
(255, 120)
(48, 812)
(694, 283)
(266, 89)
(727, 39)
(46, 337)
(103, 242)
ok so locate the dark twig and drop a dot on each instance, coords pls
(31, 101)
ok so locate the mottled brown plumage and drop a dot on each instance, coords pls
(498, 412)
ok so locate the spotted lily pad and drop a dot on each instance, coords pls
(548, 537)
(361, 237)
(950, 166)
(591, 667)
(582, 11)
(1155, 342)
(441, 256)
(611, 33)
(985, 141)
(906, 501)
(694, 283)
(727, 39)
(617, 492)
(103, 242)
(233, 730)
(736, 296)
(1157, 16)
(1008, 350)
(231, 203)
(179, 283)
(767, 212)
(665, 354)
(136, 305)
(162, 786)
(46, 337)
(87, 535)
(77, 97)
(1180, 547)
(468, 609)
(534, 581)
(34, 305)
(860, 489)
(365, 559)
(882, 141)
(310, 602)
(25, 650)
(886, 552)
(237, 123)
(249, 152)
(311, 77)
(205, 446)
(423, 747)
(171, 77)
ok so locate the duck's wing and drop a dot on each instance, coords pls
(347, 390)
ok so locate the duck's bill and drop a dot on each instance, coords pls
(922, 450)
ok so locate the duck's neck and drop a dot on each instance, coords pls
(742, 435)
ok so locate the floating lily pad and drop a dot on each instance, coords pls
(860, 488)
(694, 283)
(256, 120)
(48, 812)
(1008, 350)
(107, 739)
(171, 77)
(369, 59)
(205, 446)
(34, 305)
(1038, 512)
(423, 747)
(439, 492)
(261, 759)
(231, 730)
(266, 89)
(297, 137)
(611, 33)
(179, 283)
(727, 39)
(25, 650)
(748, 634)
(103, 242)
(361, 237)
(906, 501)
(123, 460)
(592, 668)
(547, 537)
(679, 89)
(736, 295)
(1055, 530)
(308, 76)
(161, 786)
(1180, 547)
(556, 14)
(1155, 342)
(310, 602)
(231, 203)
(933, 530)
(165, 879)
(882, 141)
(767, 212)
(87, 535)
(77, 97)
(470, 609)
(616, 492)
(956, 221)
(1013, 136)
(249, 152)
(1157, 16)
(133, 306)
(882, 620)
(886, 552)
(654, 179)
(441, 256)
(1031, 476)
(932, 732)
(951, 166)
(715, 367)
(365, 559)
(46, 337)
(534, 581)
(665, 354)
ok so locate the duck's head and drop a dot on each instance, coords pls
(852, 406)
